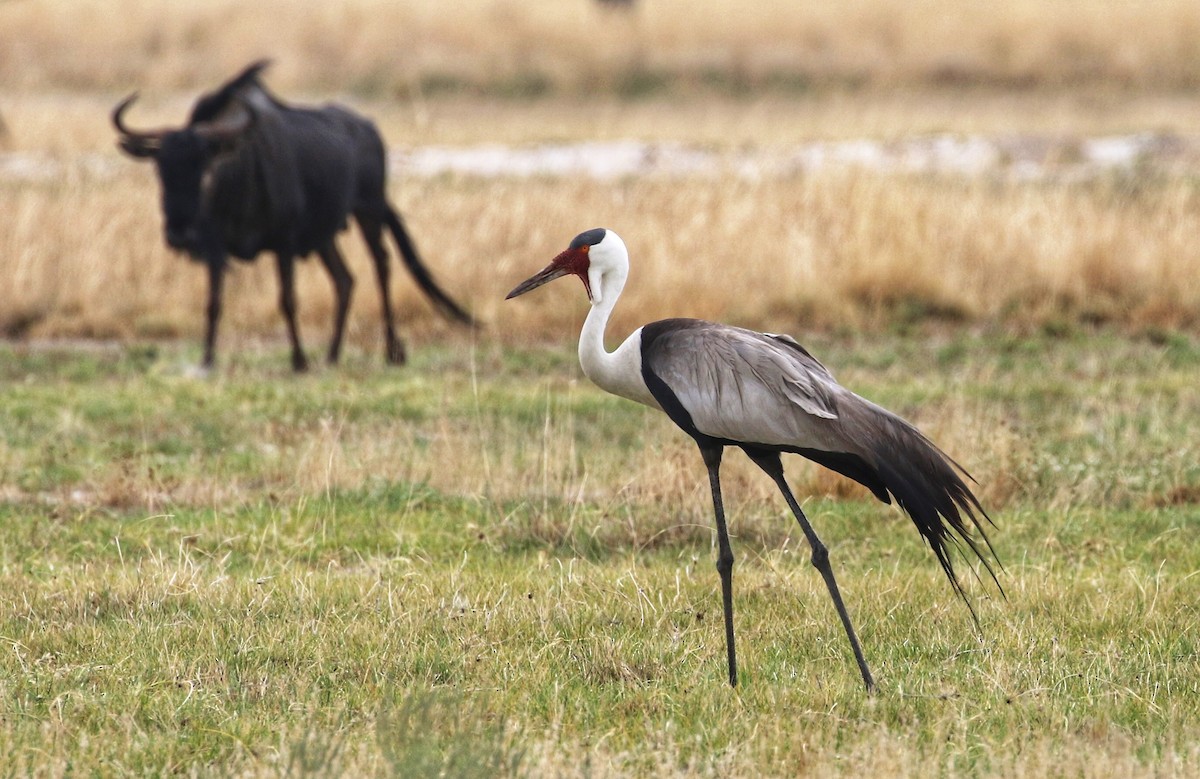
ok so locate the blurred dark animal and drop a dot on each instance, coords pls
(249, 173)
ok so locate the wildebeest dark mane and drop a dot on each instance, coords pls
(210, 106)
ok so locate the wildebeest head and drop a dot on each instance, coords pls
(182, 157)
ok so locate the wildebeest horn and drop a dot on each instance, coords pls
(139, 143)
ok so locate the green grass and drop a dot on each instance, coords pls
(482, 565)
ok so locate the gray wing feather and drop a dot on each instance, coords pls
(747, 386)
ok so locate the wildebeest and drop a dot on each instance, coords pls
(249, 173)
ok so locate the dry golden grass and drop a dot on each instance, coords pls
(83, 256)
(413, 46)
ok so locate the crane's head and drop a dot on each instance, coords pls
(591, 255)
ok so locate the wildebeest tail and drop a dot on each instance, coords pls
(421, 273)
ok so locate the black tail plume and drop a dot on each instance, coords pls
(421, 273)
(930, 487)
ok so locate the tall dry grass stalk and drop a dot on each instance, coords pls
(522, 47)
(84, 256)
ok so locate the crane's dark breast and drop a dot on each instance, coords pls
(656, 345)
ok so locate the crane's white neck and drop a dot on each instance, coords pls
(620, 371)
(605, 291)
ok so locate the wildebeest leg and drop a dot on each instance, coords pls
(287, 302)
(216, 275)
(372, 230)
(343, 285)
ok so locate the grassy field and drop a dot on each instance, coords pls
(484, 561)
(480, 564)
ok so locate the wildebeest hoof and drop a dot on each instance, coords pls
(198, 371)
(395, 353)
(299, 363)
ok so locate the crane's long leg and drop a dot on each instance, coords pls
(712, 460)
(770, 462)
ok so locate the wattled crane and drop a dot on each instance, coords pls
(764, 393)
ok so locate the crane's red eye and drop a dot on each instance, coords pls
(576, 261)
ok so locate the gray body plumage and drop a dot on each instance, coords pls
(741, 385)
(767, 392)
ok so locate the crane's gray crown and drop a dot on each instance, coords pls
(589, 238)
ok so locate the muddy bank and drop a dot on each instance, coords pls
(1019, 157)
